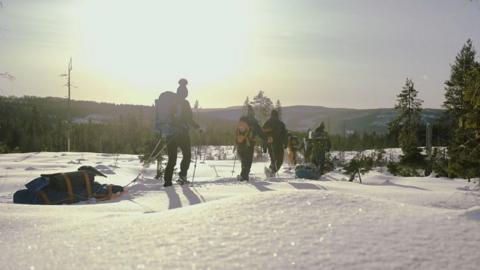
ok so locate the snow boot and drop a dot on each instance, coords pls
(269, 173)
(241, 179)
(182, 180)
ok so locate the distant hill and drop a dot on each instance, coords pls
(298, 118)
(337, 120)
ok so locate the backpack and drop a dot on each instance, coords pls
(243, 132)
(167, 110)
(69, 187)
(307, 171)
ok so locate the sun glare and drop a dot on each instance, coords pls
(148, 42)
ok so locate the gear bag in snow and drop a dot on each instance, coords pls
(167, 110)
(307, 171)
(65, 188)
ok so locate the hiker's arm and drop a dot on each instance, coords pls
(189, 116)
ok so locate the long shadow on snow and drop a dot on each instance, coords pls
(389, 183)
(173, 198)
(261, 186)
(306, 186)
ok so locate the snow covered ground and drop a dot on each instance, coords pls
(219, 223)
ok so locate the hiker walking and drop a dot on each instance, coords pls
(277, 140)
(318, 145)
(293, 146)
(246, 132)
(174, 120)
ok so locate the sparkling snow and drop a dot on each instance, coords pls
(218, 223)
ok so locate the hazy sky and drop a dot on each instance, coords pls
(335, 53)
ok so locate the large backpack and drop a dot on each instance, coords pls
(167, 110)
(69, 187)
(243, 133)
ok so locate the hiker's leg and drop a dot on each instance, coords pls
(186, 149)
(172, 159)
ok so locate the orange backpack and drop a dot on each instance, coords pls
(243, 132)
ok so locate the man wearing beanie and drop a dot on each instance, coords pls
(180, 138)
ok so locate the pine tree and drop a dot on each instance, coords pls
(462, 103)
(246, 103)
(408, 121)
(464, 151)
(455, 87)
(278, 107)
(262, 105)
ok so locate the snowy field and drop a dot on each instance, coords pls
(219, 223)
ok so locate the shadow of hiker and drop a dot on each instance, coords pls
(191, 196)
(173, 198)
(306, 186)
(261, 186)
(389, 183)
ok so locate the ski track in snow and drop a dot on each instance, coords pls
(219, 223)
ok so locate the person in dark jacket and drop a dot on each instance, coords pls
(318, 145)
(247, 131)
(180, 137)
(277, 141)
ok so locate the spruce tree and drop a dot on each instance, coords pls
(262, 105)
(464, 151)
(455, 86)
(246, 103)
(278, 107)
(461, 94)
(407, 122)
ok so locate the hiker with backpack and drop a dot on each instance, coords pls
(247, 131)
(277, 140)
(174, 118)
(318, 145)
(293, 147)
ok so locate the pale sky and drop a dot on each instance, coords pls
(335, 53)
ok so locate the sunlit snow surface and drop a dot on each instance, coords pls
(219, 223)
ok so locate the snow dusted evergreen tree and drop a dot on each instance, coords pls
(262, 105)
(407, 123)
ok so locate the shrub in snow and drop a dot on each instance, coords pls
(439, 162)
(359, 165)
(400, 169)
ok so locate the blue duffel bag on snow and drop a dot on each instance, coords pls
(66, 188)
(307, 171)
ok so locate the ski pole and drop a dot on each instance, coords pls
(195, 166)
(234, 160)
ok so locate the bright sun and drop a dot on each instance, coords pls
(147, 42)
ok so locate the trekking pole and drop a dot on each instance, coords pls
(235, 159)
(195, 166)
(149, 159)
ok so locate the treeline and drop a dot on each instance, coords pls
(31, 124)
